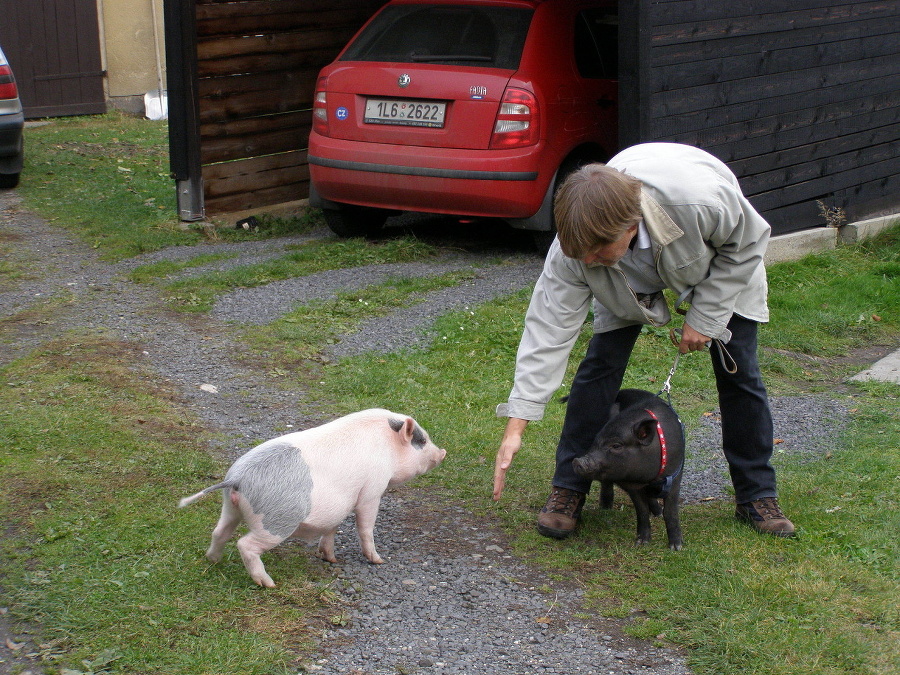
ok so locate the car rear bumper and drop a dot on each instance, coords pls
(11, 155)
(11, 133)
(490, 183)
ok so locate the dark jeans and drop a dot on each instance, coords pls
(747, 434)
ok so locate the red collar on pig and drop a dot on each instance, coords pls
(663, 453)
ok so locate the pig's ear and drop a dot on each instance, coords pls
(405, 427)
(645, 431)
(614, 410)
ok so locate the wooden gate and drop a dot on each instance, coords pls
(53, 47)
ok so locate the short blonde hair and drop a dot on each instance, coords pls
(593, 207)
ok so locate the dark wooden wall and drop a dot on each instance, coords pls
(53, 47)
(257, 62)
(801, 99)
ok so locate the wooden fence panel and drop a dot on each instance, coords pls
(243, 96)
(257, 63)
(257, 182)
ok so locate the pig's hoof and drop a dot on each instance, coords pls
(214, 557)
(265, 582)
(327, 557)
(641, 541)
(675, 546)
(375, 559)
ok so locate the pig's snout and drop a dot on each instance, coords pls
(588, 465)
(438, 456)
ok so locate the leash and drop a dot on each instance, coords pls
(662, 482)
(725, 358)
(667, 385)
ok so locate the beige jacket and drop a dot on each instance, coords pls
(708, 243)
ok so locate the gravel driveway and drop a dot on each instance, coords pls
(453, 599)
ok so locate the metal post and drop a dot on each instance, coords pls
(634, 72)
(184, 107)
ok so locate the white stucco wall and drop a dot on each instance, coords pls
(132, 39)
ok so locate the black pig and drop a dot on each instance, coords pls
(641, 449)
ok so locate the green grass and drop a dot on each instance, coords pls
(162, 269)
(106, 179)
(96, 454)
(16, 264)
(198, 293)
(823, 603)
(95, 459)
(855, 307)
(297, 337)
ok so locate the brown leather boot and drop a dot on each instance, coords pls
(560, 516)
(765, 516)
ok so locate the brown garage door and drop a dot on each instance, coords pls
(54, 49)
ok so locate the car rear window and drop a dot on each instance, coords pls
(491, 37)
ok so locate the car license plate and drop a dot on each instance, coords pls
(405, 112)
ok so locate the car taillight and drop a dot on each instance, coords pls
(517, 120)
(8, 87)
(320, 108)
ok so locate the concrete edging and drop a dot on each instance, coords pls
(795, 245)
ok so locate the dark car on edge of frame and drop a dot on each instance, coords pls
(12, 122)
(475, 108)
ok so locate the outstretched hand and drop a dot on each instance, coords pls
(511, 444)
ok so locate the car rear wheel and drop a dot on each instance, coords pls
(8, 180)
(355, 221)
(546, 232)
(543, 240)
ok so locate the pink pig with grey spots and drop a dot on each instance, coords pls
(305, 484)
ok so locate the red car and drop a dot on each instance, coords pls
(475, 108)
